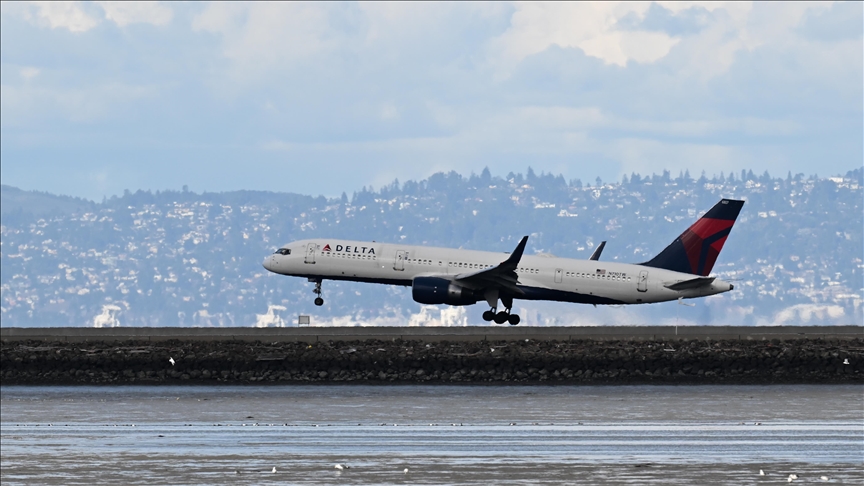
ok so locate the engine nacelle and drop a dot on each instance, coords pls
(436, 290)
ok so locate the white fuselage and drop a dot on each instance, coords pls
(541, 277)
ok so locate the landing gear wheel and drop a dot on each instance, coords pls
(489, 315)
(513, 319)
(317, 291)
(501, 317)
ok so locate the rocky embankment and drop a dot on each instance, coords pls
(528, 361)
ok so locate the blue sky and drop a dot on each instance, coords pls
(324, 98)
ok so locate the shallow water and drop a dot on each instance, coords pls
(441, 434)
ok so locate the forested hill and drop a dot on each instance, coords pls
(182, 258)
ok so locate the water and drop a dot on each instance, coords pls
(441, 434)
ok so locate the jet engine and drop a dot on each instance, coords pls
(436, 290)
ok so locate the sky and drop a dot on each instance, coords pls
(321, 98)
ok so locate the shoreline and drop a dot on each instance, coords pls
(373, 361)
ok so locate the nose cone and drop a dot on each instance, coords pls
(268, 263)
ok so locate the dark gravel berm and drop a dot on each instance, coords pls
(376, 361)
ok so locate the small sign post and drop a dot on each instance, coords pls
(302, 321)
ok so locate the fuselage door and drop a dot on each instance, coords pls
(399, 264)
(642, 283)
(559, 273)
(310, 252)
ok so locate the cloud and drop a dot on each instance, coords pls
(688, 21)
(221, 93)
(21, 105)
(62, 15)
(132, 12)
(29, 72)
(840, 21)
(79, 17)
(259, 38)
(590, 27)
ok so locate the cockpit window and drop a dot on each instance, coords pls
(283, 251)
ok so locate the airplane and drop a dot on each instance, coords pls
(464, 277)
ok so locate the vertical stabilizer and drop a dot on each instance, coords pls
(696, 250)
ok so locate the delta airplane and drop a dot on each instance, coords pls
(465, 277)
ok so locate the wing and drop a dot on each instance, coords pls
(598, 251)
(502, 276)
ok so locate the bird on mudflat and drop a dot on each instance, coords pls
(171, 360)
(274, 470)
(761, 472)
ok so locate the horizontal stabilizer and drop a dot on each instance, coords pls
(690, 284)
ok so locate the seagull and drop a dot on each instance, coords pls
(171, 360)
(274, 470)
(761, 472)
(339, 467)
(406, 471)
(824, 478)
(846, 361)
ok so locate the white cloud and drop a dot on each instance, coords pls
(29, 72)
(131, 12)
(62, 15)
(261, 37)
(590, 26)
(79, 17)
(593, 28)
(383, 90)
(24, 105)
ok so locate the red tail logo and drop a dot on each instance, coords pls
(696, 250)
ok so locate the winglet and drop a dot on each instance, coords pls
(598, 251)
(513, 261)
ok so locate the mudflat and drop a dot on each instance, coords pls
(658, 434)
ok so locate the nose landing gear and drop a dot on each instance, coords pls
(317, 291)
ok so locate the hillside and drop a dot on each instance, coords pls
(181, 258)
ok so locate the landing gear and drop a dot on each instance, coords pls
(501, 317)
(317, 291)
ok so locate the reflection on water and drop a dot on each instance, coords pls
(441, 434)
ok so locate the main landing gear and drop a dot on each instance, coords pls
(492, 296)
(317, 291)
(501, 317)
